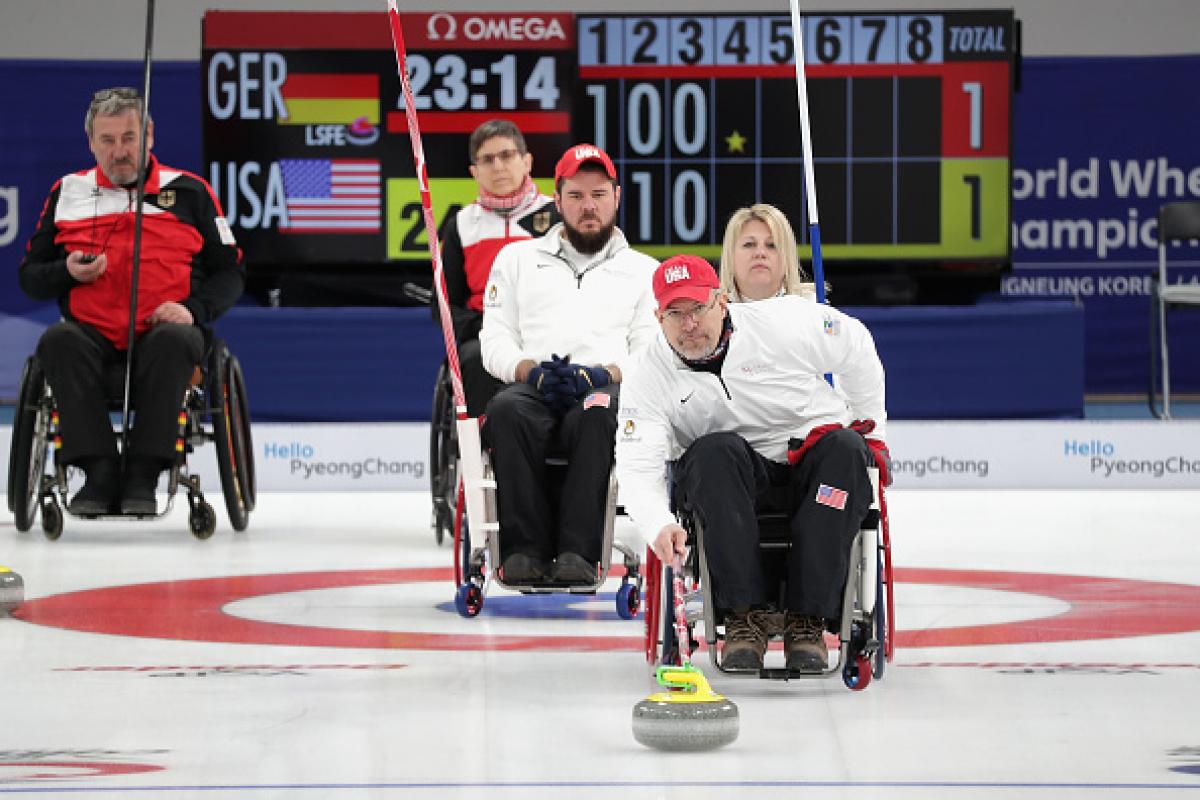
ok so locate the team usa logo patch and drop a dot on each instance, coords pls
(596, 400)
(676, 273)
(829, 496)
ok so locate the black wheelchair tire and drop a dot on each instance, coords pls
(231, 433)
(443, 452)
(879, 663)
(27, 458)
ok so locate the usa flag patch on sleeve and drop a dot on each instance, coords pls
(600, 399)
(829, 496)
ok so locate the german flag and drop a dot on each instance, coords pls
(330, 98)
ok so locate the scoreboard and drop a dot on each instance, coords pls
(305, 134)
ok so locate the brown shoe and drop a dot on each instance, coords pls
(745, 640)
(804, 643)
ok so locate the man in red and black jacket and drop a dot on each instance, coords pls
(81, 254)
(509, 208)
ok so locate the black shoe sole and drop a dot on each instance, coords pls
(528, 573)
(139, 507)
(807, 662)
(573, 578)
(741, 663)
(89, 508)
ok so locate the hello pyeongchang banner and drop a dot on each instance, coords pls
(1099, 145)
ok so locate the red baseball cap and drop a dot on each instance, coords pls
(577, 156)
(689, 277)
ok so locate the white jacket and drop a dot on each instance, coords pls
(538, 303)
(771, 389)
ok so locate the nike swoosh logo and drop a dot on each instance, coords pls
(685, 399)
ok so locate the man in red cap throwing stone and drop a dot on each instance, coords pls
(562, 313)
(735, 394)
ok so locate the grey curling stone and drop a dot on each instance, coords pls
(685, 726)
(12, 590)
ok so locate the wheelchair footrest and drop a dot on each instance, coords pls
(785, 674)
(552, 588)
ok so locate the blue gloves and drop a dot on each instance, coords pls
(583, 380)
(561, 383)
(578, 380)
(547, 381)
(543, 378)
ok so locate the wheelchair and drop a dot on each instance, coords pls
(473, 510)
(213, 409)
(866, 633)
(443, 456)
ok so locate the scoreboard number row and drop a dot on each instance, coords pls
(759, 40)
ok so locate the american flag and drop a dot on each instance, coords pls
(594, 399)
(829, 496)
(324, 195)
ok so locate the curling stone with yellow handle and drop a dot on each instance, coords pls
(689, 716)
(12, 590)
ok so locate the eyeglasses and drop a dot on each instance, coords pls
(504, 157)
(120, 92)
(676, 316)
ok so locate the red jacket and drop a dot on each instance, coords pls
(188, 253)
(472, 238)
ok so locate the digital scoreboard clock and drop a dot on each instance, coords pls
(305, 132)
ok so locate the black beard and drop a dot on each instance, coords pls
(589, 243)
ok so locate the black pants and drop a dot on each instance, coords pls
(522, 432)
(80, 365)
(478, 384)
(724, 481)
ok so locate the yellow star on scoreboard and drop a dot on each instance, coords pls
(735, 142)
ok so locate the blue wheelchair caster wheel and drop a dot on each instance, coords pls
(629, 601)
(468, 600)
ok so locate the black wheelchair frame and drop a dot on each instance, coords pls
(214, 409)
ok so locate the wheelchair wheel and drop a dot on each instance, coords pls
(443, 456)
(880, 625)
(27, 454)
(231, 432)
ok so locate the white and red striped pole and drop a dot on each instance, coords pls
(470, 448)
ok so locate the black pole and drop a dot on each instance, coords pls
(135, 266)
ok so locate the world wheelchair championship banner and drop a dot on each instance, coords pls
(1098, 145)
(1101, 144)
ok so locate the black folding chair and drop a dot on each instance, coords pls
(1177, 222)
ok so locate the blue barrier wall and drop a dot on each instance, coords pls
(1006, 360)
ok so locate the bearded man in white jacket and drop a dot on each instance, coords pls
(736, 396)
(562, 314)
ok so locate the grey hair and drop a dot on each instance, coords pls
(490, 130)
(112, 103)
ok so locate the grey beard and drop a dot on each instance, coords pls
(589, 244)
